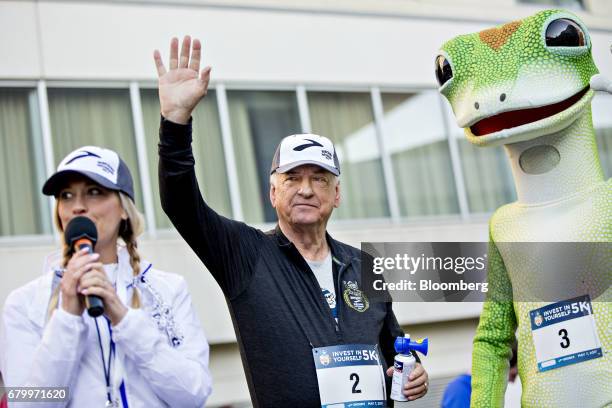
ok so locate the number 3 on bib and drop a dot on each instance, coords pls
(565, 333)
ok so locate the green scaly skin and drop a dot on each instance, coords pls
(562, 197)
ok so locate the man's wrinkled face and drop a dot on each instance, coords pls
(305, 195)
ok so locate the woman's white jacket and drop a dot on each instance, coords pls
(161, 351)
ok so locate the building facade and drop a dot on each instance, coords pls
(74, 73)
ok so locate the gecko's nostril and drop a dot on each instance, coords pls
(502, 97)
(476, 105)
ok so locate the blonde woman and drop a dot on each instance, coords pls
(147, 350)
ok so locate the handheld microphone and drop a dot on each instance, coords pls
(81, 233)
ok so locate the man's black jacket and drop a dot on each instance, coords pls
(275, 301)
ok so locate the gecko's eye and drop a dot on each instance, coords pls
(564, 32)
(444, 71)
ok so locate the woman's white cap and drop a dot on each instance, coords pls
(103, 166)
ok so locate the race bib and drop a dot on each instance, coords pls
(564, 333)
(350, 375)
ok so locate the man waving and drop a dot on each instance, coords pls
(294, 293)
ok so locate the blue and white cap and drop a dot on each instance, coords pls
(296, 150)
(103, 166)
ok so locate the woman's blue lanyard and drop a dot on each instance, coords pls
(107, 367)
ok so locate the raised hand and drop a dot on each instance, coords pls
(183, 85)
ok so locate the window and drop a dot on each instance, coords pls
(417, 143)
(207, 149)
(347, 119)
(259, 120)
(602, 120)
(99, 117)
(486, 172)
(488, 177)
(22, 172)
(412, 127)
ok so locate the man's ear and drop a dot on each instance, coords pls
(337, 197)
(273, 195)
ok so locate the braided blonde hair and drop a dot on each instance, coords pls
(129, 230)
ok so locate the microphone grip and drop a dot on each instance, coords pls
(94, 304)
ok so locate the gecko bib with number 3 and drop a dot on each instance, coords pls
(564, 333)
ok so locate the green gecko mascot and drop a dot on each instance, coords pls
(528, 85)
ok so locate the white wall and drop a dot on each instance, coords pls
(114, 41)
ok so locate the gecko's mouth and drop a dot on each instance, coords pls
(512, 119)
